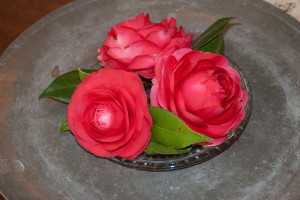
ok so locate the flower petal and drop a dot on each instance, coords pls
(138, 48)
(123, 39)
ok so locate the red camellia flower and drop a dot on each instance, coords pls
(135, 45)
(109, 115)
(202, 90)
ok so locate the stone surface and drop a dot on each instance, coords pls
(36, 162)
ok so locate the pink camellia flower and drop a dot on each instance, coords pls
(202, 90)
(135, 45)
(109, 115)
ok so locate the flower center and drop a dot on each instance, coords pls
(103, 117)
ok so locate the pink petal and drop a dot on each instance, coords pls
(96, 149)
(233, 74)
(160, 38)
(181, 52)
(153, 93)
(194, 91)
(210, 113)
(169, 22)
(184, 114)
(113, 64)
(165, 91)
(147, 21)
(136, 22)
(178, 43)
(115, 31)
(189, 37)
(146, 73)
(103, 54)
(213, 101)
(219, 60)
(220, 130)
(168, 51)
(152, 28)
(138, 48)
(123, 39)
(142, 62)
(245, 98)
(74, 120)
(138, 144)
(228, 114)
(179, 33)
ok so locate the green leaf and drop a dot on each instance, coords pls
(169, 130)
(211, 32)
(64, 127)
(82, 74)
(62, 87)
(214, 46)
(155, 148)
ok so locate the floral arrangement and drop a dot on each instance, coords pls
(195, 96)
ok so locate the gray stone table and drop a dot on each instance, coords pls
(36, 162)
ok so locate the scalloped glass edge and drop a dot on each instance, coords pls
(198, 154)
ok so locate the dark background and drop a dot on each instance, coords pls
(18, 15)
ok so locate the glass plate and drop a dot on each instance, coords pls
(198, 154)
